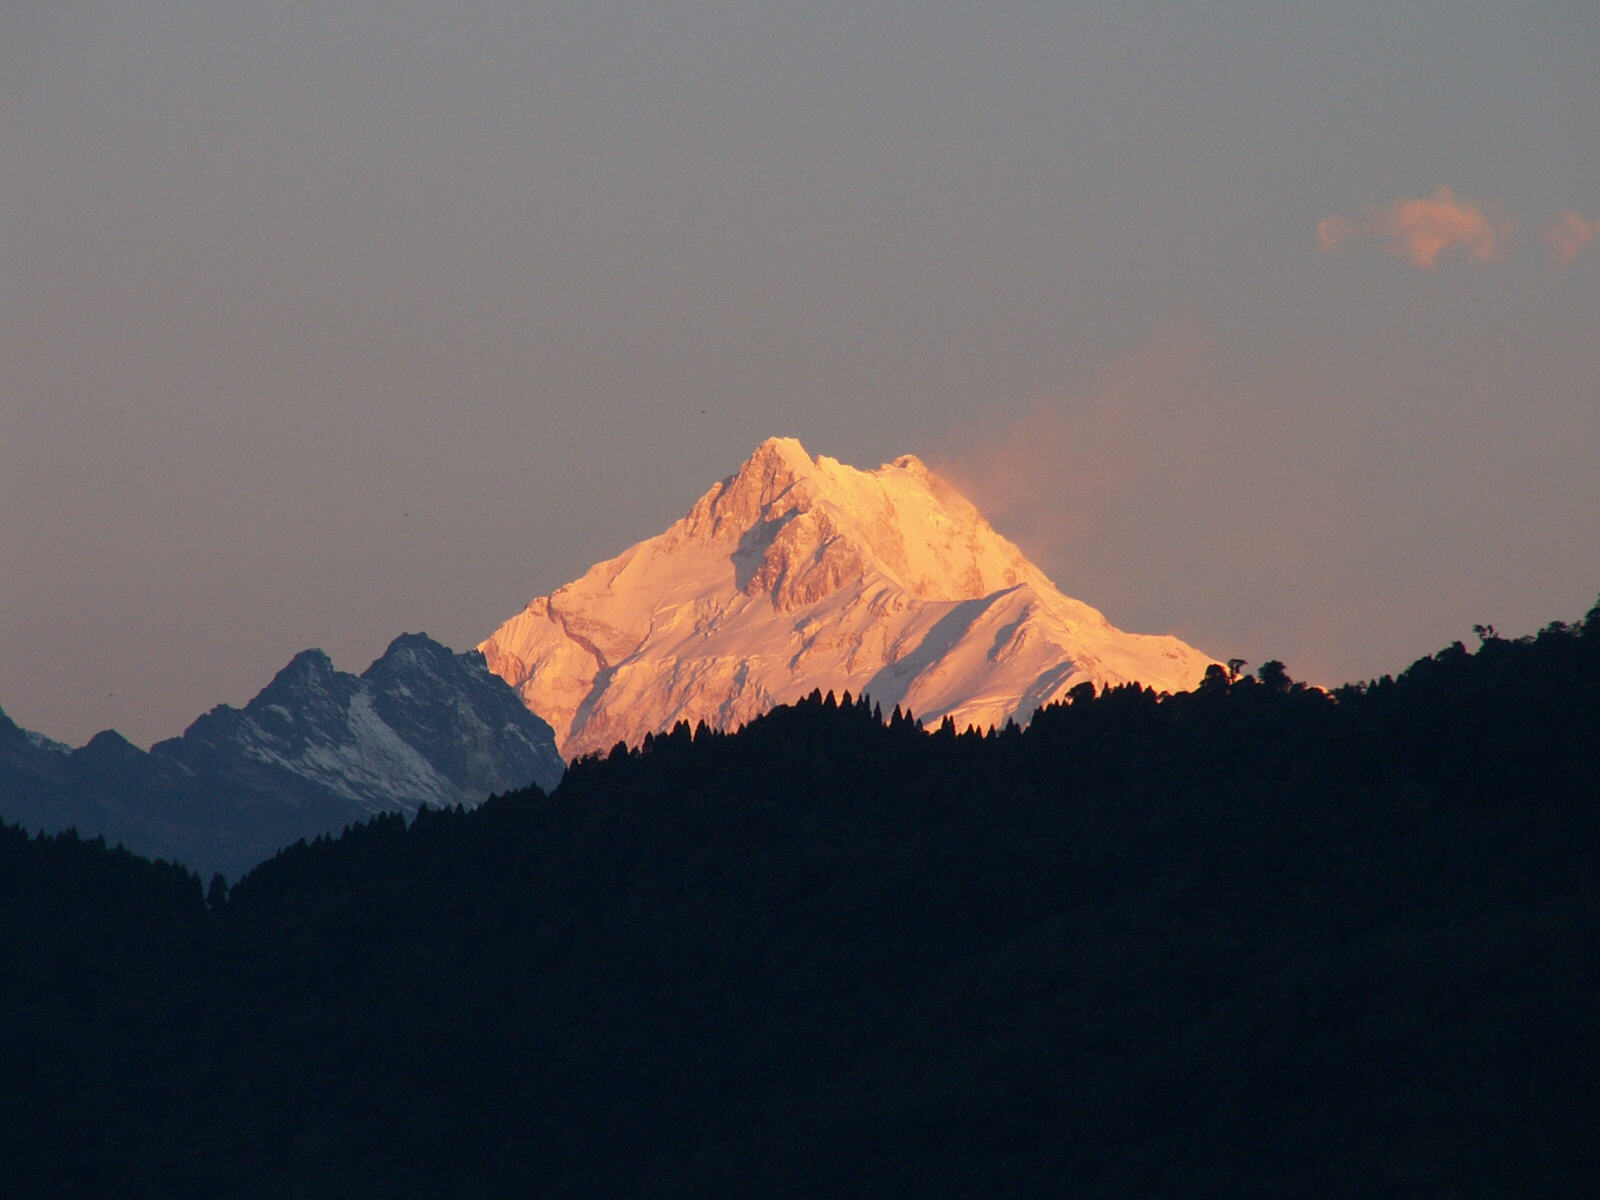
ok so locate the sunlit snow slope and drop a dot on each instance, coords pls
(800, 573)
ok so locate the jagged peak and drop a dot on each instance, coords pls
(309, 670)
(781, 477)
(411, 647)
(308, 662)
(899, 517)
(790, 449)
(413, 641)
(774, 467)
(742, 499)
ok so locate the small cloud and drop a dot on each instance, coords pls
(1421, 229)
(1568, 235)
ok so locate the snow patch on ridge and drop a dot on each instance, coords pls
(372, 760)
(39, 742)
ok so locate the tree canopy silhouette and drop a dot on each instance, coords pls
(1254, 939)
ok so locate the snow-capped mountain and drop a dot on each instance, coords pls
(315, 750)
(422, 725)
(797, 573)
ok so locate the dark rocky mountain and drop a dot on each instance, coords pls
(315, 750)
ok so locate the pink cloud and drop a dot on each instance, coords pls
(1421, 229)
(1568, 235)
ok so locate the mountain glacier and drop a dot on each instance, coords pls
(797, 573)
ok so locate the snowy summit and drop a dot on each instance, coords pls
(795, 574)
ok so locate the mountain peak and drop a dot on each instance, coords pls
(308, 664)
(415, 642)
(309, 674)
(108, 744)
(412, 650)
(800, 527)
(773, 475)
(421, 724)
(785, 450)
(797, 573)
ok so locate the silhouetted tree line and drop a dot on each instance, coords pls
(1255, 939)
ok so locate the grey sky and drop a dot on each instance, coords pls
(322, 322)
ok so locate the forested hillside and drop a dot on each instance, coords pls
(1256, 939)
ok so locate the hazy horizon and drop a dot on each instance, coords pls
(1270, 327)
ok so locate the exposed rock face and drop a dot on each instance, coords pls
(797, 573)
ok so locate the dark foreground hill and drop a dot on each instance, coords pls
(1255, 940)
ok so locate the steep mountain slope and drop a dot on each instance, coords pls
(33, 775)
(798, 573)
(422, 725)
(315, 750)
